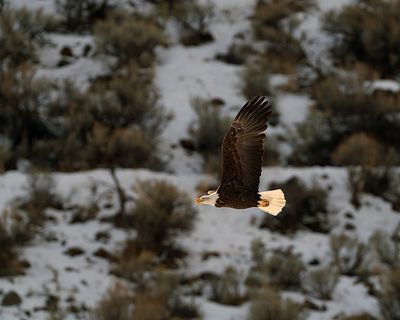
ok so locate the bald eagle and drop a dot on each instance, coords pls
(242, 159)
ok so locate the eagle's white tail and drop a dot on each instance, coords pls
(272, 201)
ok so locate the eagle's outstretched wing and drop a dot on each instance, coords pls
(242, 149)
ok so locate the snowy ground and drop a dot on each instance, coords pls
(183, 73)
(228, 232)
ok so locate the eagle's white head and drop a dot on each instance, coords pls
(210, 198)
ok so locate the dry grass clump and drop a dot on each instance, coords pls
(348, 254)
(128, 148)
(161, 299)
(115, 305)
(226, 288)
(321, 282)
(14, 232)
(255, 81)
(40, 196)
(114, 37)
(345, 108)
(388, 248)
(361, 316)
(133, 265)
(282, 269)
(379, 181)
(270, 306)
(306, 207)
(270, 13)
(273, 21)
(368, 33)
(129, 99)
(23, 100)
(389, 299)
(369, 163)
(116, 123)
(238, 53)
(208, 132)
(157, 299)
(161, 212)
(194, 19)
(20, 221)
(358, 149)
(21, 33)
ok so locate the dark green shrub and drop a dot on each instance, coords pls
(161, 212)
(114, 37)
(367, 32)
(306, 207)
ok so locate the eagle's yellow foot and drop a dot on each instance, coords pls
(263, 203)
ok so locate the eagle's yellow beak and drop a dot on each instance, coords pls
(198, 200)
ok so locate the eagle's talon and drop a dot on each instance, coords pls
(263, 203)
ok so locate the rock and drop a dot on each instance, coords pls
(11, 298)
(63, 62)
(74, 251)
(103, 253)
(66, 51)
(314, 306)
(314, 262)
(349, 226)
(209, 254)
(86, 49)
(349, 215)
(102, 236)
(188, 144)
(217, 102)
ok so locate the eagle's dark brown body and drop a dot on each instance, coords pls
(242, 152)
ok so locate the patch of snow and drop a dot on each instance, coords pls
(385, 85)
(293, 108)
